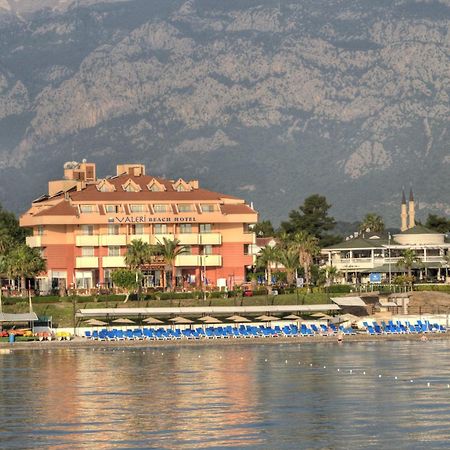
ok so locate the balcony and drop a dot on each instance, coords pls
(86, 241)
(188, 238)
(113, 261)
(187, 260)
(210, 239)
(211, 260)
(159, 238)
(139, 237)
(34, 241)
(198, 260)
(86, 262)
(113, 239)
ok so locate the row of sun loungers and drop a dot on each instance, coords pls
(403, 328)
(225, 332)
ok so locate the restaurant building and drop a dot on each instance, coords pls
(84, 224)
(373, 257)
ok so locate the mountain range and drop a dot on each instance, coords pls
(268, 100)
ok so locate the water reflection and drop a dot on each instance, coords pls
(259, 396)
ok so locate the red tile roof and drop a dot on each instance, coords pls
(90, 193)
(236, 209)
(60, 209)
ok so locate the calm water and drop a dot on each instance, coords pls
(244, 396)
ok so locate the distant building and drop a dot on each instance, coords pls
(84, 224)
(370, 256)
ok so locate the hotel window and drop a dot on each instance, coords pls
(185, 228)
(207, 250)
(183, 207)
(154, 188)
(113, 229)
(86, 209)
(246, 249)
(187, 250)
(160, 228)
(112, 208)
(114, 250)
(205, 228)
(160, 208)
(137, 228)
(87, 251)
(180, 188)
(39, 230)
(137, 208)
(207, 207)
(87, 230)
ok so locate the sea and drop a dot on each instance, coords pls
(297, 395)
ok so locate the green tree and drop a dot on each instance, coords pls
(264, 229)
(307, 248)
(24, 262)
(372, 222)
(407, 261)
(288, 257)
(126, 279)
(266, 258)
(169, 249)
(138, 254)
(438, 223)
(311, 217)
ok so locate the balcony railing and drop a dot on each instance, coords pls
(113, 261)
(86, 241)
(86, 262)
(113, 239)
(34, 241)
(198, 260)
(139, 237)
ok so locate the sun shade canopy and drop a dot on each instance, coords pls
(348, 301)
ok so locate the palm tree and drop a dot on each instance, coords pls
(138, 254)
(407, 261)
(24, 262)
(169, 249)
(372, 222)
(307, 247)
(288, 257)
(332, 273)
(266, 257)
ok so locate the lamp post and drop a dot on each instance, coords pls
(204, 276)
(389, 261)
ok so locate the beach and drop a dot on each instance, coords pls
(85, 343)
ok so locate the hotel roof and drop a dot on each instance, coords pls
(62, 208)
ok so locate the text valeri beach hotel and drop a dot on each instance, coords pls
(84, 225)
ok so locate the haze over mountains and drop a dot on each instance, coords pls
(270, 101)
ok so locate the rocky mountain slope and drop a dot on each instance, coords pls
(267, 100)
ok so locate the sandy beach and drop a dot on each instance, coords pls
(84, 343)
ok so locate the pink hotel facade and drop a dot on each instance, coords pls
(84, 224)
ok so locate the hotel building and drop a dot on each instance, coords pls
(84, 224)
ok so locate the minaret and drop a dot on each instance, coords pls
(412, 210)
(404, 213)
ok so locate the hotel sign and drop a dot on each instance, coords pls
(148, 219)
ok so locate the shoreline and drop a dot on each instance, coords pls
(80, 343)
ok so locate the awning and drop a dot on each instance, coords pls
(348, 301)
(204, 310)
(385, 303)
(23, 317)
